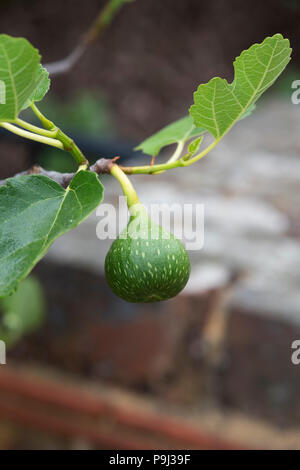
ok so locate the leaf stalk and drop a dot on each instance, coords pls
(67, 143)
(153, 169)
(32, 136)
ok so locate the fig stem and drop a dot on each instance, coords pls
(126, 185)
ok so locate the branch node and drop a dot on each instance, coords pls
(103, 165)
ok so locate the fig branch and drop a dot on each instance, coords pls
(98, 27)
(55, 137)
(108, 166)
(102, 166)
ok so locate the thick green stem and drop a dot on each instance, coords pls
(68, 143)
(128, 189)
(71, 147)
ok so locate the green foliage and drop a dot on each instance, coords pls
(41, 87)
(34, 211)
(22, 75)
(218, 105)
(22, 312)
(181, 130)
(146, 263)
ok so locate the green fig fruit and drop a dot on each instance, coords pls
(146, 263)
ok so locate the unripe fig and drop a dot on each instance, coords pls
(146, 263)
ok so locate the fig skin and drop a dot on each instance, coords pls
(146, 263)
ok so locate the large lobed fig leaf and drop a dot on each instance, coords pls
(34, 211)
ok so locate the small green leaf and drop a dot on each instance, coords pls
(181, 130)
(194, 146)
(41, 87)
(34, 211)
(218, 105)
(19, 68)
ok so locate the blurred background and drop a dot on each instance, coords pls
(211, 368)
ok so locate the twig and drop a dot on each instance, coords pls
(103, 20)
(105, 165)
(102, 166)
(61, 178)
